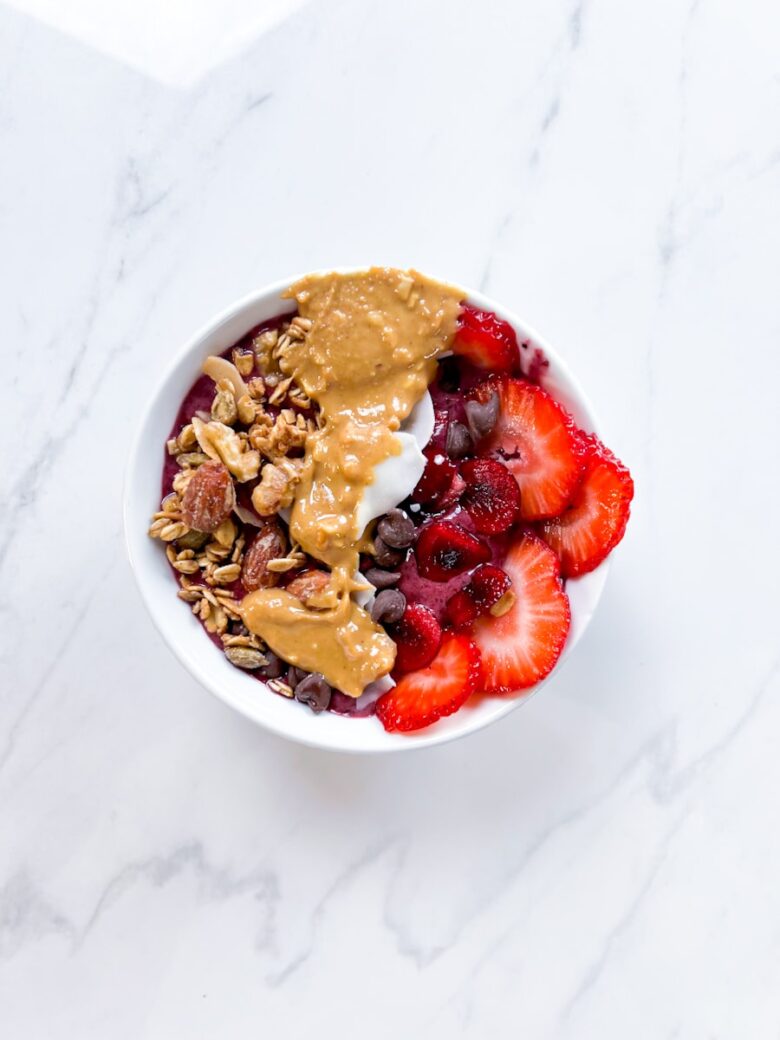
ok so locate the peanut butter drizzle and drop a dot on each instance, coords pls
(368, 358)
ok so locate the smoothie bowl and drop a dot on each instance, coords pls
(370, 510)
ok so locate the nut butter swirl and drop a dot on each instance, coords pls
(368, 358)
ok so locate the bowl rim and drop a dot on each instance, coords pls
(425, 738)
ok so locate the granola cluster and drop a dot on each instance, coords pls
(237, 467)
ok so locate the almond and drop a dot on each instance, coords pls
(308, 583)
(208, 498)
(269, 543)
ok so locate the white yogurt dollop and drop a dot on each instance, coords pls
(396, 476)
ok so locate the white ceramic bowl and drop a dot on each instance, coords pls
(183, 632)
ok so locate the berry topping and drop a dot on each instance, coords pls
(209, 497)
(417, 637)
(488, 591)
(443, 550)
(538, 442)
(491, 497)
(488, 586)
(422, 697)
(520, 647)
(436, 478)
(486, 341)
(461, 610)
(453, 492)
(598, 513)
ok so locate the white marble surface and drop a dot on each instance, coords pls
(606, 862)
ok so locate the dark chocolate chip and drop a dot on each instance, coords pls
(382, 579)
(388, 607)
(396, 529)
(459, 442)
(295, 675)
(482, 417)
(274, 666)
(314, 691)
(385, 556)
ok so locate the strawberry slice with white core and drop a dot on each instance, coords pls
(537, 441)
(522, 646)
(595, 521)
(422, 697)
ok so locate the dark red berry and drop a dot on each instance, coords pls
(436, 479)
(453, 492)
(485, 588)
(417, 637)
(444, 550)
(461, 610)
(487, 585)
(492, 495)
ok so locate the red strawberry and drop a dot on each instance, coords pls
(422, 697)
(538, 442)
(443, 550)
(486, 341)
(436, 479)
(596, 519)
(520, 647)
(492, 497)
(417, 637)
(487, 588)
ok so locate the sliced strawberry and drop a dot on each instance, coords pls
(422, 697)
(596, 519)
(487, 586)
(537, 440)
(417, 637)
(520, 647)
(444, 550)
(491, 497)
(436, 479)
(486, 341)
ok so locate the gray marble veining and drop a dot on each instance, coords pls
(604, 862)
